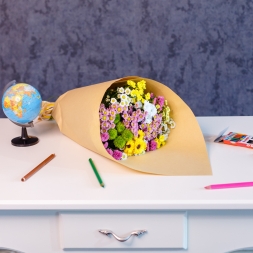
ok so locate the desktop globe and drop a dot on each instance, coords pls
(21, 104)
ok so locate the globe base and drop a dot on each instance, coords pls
(19, 142)
(24, 140)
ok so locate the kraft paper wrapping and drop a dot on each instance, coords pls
(77, 115)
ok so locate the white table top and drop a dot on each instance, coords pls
(68, 182)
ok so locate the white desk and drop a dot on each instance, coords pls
(61, 208)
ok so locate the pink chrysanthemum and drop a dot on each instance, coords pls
(126, 124)
(104, 137)
(160, 101)
(152, 145)
(105, 125)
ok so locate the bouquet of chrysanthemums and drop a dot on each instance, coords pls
(130, 116)
(133, 121)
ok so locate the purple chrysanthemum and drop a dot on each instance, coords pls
(106, 145)
(117, 154)
(109, 151)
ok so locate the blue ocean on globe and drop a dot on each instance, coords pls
(21, 103)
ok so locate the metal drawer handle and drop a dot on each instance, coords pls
(5, 250)
(122, 239)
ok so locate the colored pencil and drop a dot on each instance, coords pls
(96, 173)
(36, 169)
(230, 185)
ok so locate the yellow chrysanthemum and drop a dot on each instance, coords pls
(129, 148)
(141, 135)
(141, 92)
(141, 84)
(158, 143)
(134, 93)
(139, 146)
(162, 140)
(147, 96)
(139, 97)
(166, 114)
(131, 83)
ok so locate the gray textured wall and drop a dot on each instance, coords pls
(201, 49)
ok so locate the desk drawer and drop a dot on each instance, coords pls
(165, 230)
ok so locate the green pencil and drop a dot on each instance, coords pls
(96, 173)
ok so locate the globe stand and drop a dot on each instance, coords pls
(24, 140)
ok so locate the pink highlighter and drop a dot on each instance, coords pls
(231, 185)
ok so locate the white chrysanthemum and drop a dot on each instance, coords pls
(124, 156)
(122, 103)
(148, 119)
(164, 127)
(172, 123)
(151, 111)
(124, 97)
(165, 136)
(113, 100)
(127, 91)
(121, 90)
(150, 108)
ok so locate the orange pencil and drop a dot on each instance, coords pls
(32, 172)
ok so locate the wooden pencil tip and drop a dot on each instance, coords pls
(208, 187)
(23, 179)
(102, 185)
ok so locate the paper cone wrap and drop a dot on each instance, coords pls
(77, 115)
